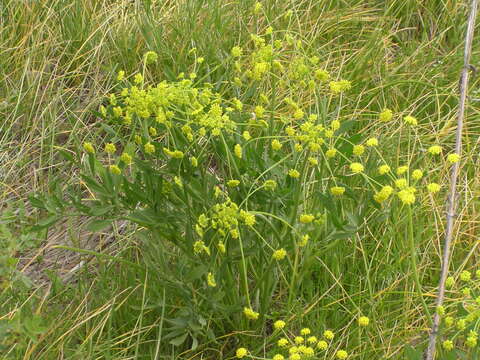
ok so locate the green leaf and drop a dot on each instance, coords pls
(178, 322)
(45, 223)
(66, 155)
(97, 225)
(196, 273)
(96, 187)
(450, 355)
(412, 353)
(341, 235)
(37, 202)
(33, 326)
(194, 343)
(100, 210)
(108, 129)
(179, 340)
(145, 217)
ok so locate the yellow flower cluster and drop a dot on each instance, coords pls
(88, 147)
(225, 218)
(250, 314)
(385, 115)
(176, 154)
(453, 158)
(311, 134)
(211, 280)
(279, 254)
(383, 194)
(407, 196)
(410, 120)
(356, 167)
(306, 218)
(337, 190)
(383, 169)
(338, 87)
(160, 102)
(303, 345)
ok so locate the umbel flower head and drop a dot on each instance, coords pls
(402, 170)
(88, 147)
(241, 352)
(306, 218)
(358, 150)
(328, 334)
(363, 321)
(312, 339)
(383, 194)
(435, 149)
(465, 275)
(250, 314)
(410, 120)
(114, 169)
(233, 183)
(304, 240)
(126, 158)
(383, 169)
(453, 158)
(211, 280)
(121, 75)
(448, 345)
(282, 342)
(407, 196)
(337, 190)
(305, 331)
(293, 173)
(372, 142)
(150, 57)
(237, 149)
(330, 153)
(299, 340)
(450, 282)
(149, 148)
(401, 183)
(337, 87)
(322, 345)
(356, 167)
(276, 145)
(279, 324)
(110, 148)
(321, 75)
(385, 115)
(270, 185)
(279, 254)
(433, 188)
(236, 51)
(417, 174)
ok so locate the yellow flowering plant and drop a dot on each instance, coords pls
(459, 314)
(243, 187)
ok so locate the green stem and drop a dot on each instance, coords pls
(244, 266)
(294, 277)
(293, 217)
(413, 263)
(299, 189)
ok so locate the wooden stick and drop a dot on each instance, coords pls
(451, 202)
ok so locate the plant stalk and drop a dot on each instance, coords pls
(451, 201)
(413, 262)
